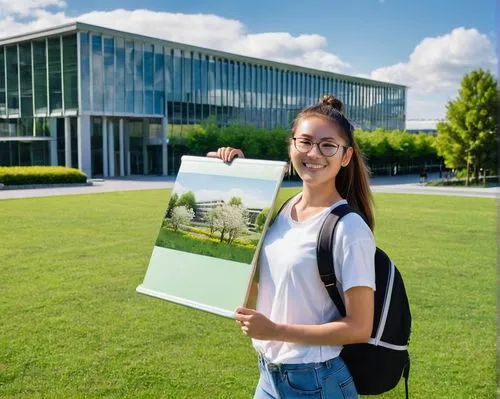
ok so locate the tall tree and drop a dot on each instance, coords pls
(188, 200)
(171, 204)
(467, 137)
(236, 201)
(261, 219)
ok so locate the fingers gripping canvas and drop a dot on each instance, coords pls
(206, 252)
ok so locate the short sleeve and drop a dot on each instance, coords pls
(354, 253)
(358, 266)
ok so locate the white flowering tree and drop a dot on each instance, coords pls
(232, 222)
(239, 222)
(181, 215)
(212, 218)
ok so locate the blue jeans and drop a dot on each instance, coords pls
(326, 380)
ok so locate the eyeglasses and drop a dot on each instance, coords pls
(326, 148)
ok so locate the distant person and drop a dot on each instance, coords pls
(296, 324)
(423, 175)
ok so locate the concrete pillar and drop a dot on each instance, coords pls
(84, 147)
(122, 148)
(53, 141)
(105, 169)
(111, 145)
(164, 147)
(67, 142)
(145, 139)
(126, 146)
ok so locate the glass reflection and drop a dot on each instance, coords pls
(12, 80)
(84, 71)
(139, 79)
(109, 74)
(70, 72)
(97, 74)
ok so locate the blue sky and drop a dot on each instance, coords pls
(426, 45)
(254, 193)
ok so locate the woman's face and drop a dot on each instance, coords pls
(313, 167)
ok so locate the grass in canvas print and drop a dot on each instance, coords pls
(219, 216)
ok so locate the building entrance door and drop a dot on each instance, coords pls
(24, 154)
(136, 163)
(155, 164)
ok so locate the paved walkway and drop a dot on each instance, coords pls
(407, 184)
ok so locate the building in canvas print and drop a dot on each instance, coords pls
(216, 215)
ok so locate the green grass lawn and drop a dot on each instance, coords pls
(180, 241)
(72, 325)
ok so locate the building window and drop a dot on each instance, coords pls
(148, 80)
(120, 76)
(159, 82)
(55, 81)
(129, 77)
(177, 76)
(26, 79)
(97, 74)
(138, 79)
(3, 101)
(109, 74)
(84, 71)
(70, 72)
(12, 80)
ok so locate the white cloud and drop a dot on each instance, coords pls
(441, 62)
(202, 30)
(435, 68)
(26, 8)
(254, 199)
(250, 200)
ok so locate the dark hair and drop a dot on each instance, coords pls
(352, 181)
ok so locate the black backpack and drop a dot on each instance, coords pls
(378, 365)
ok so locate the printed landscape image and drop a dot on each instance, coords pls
(219, 216)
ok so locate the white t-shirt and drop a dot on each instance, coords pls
(290, 288)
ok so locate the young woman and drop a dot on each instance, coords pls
(296, 329)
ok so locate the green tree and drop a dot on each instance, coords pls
(171, 204)
(188, 200)
(261, 219)
(467, 137)
(236, 201)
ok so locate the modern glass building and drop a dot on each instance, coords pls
(106, 101)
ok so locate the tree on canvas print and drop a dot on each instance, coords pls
(217, 216)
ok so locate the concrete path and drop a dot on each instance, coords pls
(407, 184)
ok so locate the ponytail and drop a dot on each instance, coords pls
(353, 184)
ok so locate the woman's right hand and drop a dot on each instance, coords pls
(227, 154)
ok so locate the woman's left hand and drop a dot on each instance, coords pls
(255, 325)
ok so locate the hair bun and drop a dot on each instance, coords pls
(333, 102)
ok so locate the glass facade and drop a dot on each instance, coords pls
(35, 75)
(120, 75)
(12, 80)
(141, 78)
(3, 96)
(25, 79)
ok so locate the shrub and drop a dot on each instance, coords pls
(21, 175)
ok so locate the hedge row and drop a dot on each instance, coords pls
(382, 149)
(23, 175)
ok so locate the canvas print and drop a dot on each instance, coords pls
(206, 251)
(213, 215)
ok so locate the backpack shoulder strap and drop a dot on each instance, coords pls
(275, 214)
(324, 254)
